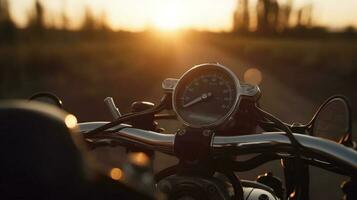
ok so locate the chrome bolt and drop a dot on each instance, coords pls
(181, 132)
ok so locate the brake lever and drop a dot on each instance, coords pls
(114, 110)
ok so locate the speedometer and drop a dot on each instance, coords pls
(206, 96)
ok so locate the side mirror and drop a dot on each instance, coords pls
(47, 98)
(333, 121)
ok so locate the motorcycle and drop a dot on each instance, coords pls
(222, 122)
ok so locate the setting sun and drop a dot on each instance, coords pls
(167, 17)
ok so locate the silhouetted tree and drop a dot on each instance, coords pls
(7, 26)
(273, 16)
(309, 15)
(37, 21)
(304, 16)
(241, 20)
(4, 10)
(64, 21)
(102, 22)
(64, 17)
(267, 16)
(349, 31)
(284, 16)
(89, 21)
(262, 15)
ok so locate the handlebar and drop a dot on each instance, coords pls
(317, 150)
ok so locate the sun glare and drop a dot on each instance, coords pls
(168, 18)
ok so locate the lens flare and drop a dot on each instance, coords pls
(253, 76)
(139, 159)
(116, 174)
(70, 121)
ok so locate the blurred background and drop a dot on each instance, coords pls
(300, 52)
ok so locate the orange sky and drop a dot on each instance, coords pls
(213, 15)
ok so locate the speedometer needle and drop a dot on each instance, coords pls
(204, 96)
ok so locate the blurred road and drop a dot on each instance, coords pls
(278, 99)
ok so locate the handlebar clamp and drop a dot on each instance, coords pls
(192, 144)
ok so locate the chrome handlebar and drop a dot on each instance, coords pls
(322, 150)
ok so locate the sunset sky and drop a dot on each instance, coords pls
(213, 15)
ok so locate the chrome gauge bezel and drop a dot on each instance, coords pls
(203, 67)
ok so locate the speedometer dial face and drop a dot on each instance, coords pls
(206, 95)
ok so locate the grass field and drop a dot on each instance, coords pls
(84, 72)
(78, 69)
(314, 67)
(297, 73)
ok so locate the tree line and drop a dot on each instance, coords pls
(274, 18)
(37, 25)
(271, 18)
(7, 26)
